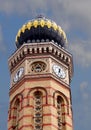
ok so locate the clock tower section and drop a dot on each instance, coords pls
(41, 71)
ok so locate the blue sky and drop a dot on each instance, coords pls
(74, 16)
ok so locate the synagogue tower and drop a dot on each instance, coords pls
(41, 70)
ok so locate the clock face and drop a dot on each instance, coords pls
(18, 74)
(59, 71)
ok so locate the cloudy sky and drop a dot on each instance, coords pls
(74, 16)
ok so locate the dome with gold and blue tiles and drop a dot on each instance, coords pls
(41, 29)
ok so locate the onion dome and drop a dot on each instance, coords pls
(40, 30)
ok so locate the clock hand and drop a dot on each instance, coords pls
(18, 73)
(59, 70)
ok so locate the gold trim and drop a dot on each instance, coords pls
(64, 35)
(18, 35)
(42, 23)
(35, 23)
(54, 25)
(23, 28)
(49, 24)
(16, 39)
(60, 29)
(29, 25)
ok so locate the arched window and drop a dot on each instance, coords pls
(38, 111)
(16, 115)
(59, 113)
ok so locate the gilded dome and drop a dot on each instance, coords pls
(39, 30)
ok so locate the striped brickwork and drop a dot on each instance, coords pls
(45, 83)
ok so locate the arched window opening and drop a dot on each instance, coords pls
(28, 50)
(37, 50)
(33, 50)
(16, 115)
(56, 53)
(38, 111)
(42, 50)
(59, 113)
(52, 50)
(47, 49)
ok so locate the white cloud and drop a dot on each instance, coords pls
(58, 7)
(73, 15)
(27, 7)
(84, 91)
(83, 85)
(82, 53)
(82, 107)
(68, 13)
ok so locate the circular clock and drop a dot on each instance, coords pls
(59, 71)
(18, 74)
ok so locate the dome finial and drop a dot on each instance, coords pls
(41, 28)
(40, 16)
